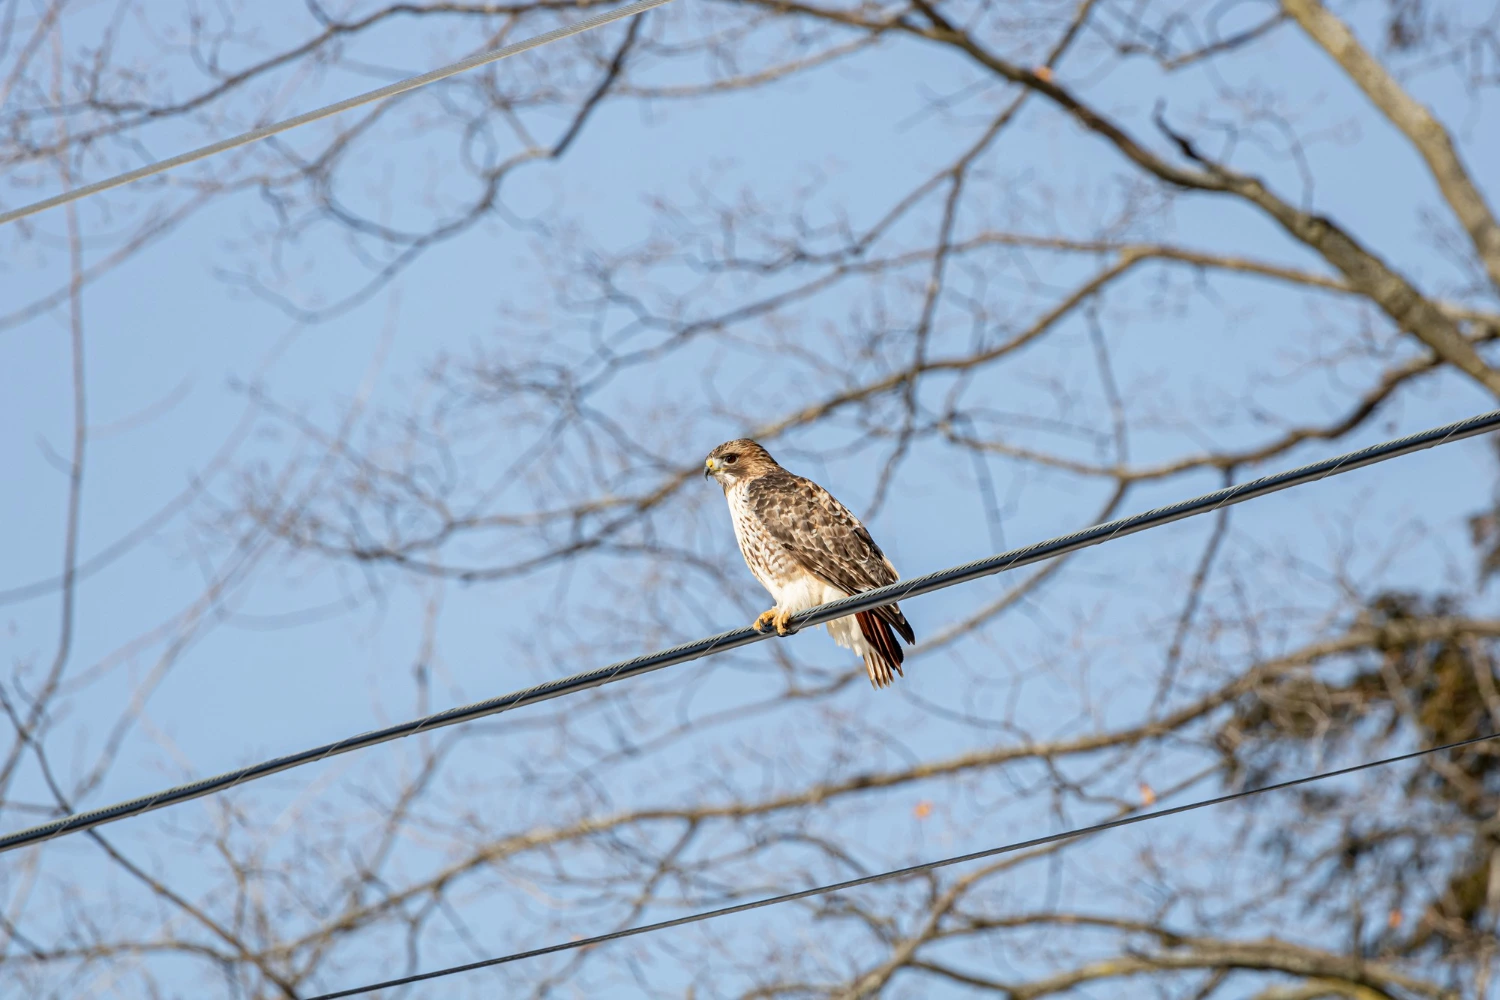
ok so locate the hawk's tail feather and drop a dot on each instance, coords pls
(891, 613)
(883, 659)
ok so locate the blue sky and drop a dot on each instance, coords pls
(172, 344)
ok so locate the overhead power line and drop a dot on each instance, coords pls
(380, 94)
(1014, 559)
(925, 866)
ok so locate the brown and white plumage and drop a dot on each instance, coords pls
(807, 549)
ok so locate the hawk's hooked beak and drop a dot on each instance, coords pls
(710, 467)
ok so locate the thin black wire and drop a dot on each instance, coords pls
(1022, 845)
(328, 111)
(1013, 559)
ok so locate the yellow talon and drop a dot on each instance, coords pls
(775, 618)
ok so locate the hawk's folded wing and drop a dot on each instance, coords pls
(824, 537)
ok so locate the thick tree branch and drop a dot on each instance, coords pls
(1418, 124)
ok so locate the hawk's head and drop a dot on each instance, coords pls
(736, 461)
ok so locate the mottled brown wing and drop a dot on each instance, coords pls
(822, 535)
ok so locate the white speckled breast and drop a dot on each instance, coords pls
(765, 556)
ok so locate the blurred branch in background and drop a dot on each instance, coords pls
(988, 271)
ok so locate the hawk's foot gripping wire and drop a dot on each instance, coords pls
(775, 618)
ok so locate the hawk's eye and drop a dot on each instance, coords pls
(731, 459)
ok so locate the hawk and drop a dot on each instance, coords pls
(807, 549)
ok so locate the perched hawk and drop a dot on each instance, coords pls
(807, 549)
